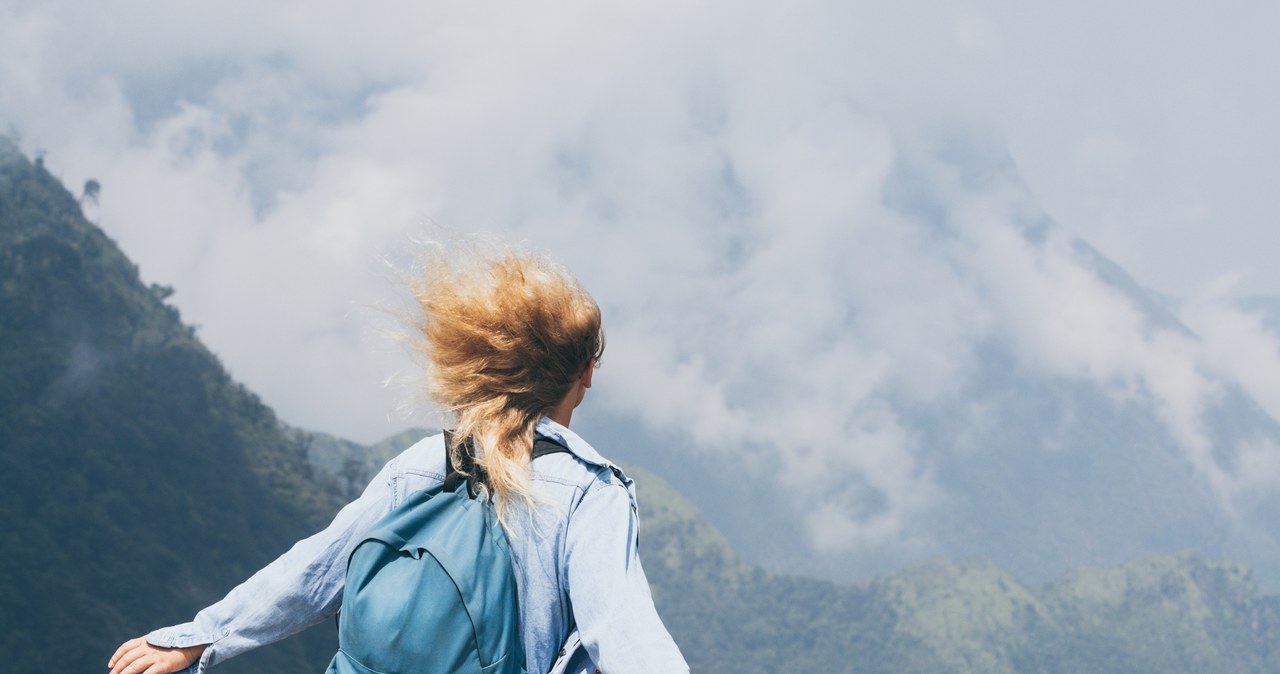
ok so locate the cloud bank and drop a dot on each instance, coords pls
(801, 223)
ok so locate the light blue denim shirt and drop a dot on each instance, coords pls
(575, 559)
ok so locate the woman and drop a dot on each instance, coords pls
(511, 342)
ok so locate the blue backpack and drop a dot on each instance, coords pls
(430, 589)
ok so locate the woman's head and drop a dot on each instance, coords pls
(505, 334)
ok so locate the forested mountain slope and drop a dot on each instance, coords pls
(138, 482)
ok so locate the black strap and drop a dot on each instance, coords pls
(475, 475)
(454, 475)
(544, 446)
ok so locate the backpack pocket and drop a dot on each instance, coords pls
(345, 664)
(504, 666)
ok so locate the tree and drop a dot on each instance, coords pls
(91, 189)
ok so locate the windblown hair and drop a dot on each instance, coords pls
(505, 334)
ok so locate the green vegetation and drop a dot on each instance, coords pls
(349, 464)
(138, 483)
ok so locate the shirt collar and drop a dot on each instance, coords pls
(580, 448)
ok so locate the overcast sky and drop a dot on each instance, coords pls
(795, 211)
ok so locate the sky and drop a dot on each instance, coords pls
(811, 213)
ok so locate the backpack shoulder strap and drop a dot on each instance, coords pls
(544, 446)
(467, 471)
(471, 473)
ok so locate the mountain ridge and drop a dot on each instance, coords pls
(139, 482)
(939, 615)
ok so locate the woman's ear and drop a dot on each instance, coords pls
(586, 376)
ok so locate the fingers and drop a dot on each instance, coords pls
(125, 648)
(161, 668)
(140, 657)
(149, 661)
(138, 648)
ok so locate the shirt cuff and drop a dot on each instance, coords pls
(183, 636)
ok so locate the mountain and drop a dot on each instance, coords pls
(138, 482)
(350, 464)
(1079, 420)
(1173, 613)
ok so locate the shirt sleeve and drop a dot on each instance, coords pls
(300, 588)
(612, 605)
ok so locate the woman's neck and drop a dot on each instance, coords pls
(562, 414)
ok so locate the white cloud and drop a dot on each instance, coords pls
(1236, 342)
(716, 172)
(1064, 319)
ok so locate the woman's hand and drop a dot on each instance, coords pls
(136, 656)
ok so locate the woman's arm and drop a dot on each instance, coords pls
(610, 595)
(297, 590)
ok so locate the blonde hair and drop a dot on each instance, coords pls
(505, 334)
